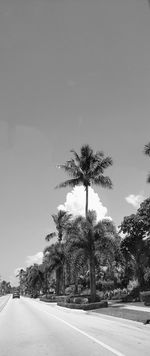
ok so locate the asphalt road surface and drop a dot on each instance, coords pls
(32, 328)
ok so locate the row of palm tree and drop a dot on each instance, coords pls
(82, 242)
(83, 235)
(85, 244)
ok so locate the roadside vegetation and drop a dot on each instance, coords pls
(5, 287)
(88, 259)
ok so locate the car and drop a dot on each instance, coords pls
(16, 294)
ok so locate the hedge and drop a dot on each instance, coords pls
(88, 306)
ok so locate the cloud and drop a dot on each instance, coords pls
(135, 200)
(75, 203)
(37, 258)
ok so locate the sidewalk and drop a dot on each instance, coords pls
(135, 306)
(130, 311)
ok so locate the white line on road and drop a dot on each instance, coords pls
(107, 347)
(4, 303)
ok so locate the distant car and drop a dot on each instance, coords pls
(16, 294)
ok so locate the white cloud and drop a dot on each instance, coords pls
(37, 258)
(75, 203)
(134, 200)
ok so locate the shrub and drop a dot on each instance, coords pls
(86, 306)
(132, 285)
(97, 299)
(145, 297)
(133, 296)
(105, 285)
(80, 300)
(69, 290)
(135, 293)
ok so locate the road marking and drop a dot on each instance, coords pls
(107, 347)
(2, 305)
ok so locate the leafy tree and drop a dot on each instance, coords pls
(5, 287)
(136, 244)
(87, 169)
(31, 280)
(143, 213)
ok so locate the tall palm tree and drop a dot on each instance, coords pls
(147, 153)
(87, 169)
(86, 240)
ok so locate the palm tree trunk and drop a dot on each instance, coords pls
(63, 280)
(76, 283)
(92, 279)
(86, 201)
(58, 281)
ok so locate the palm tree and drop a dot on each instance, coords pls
(61, 219)
(22, 280)
(56, 252)
(86, 240)
(147, 153)
(35, 278)
(87, 169)
(55, 258)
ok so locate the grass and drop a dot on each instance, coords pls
(119, 312)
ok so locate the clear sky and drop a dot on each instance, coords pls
(71, 72)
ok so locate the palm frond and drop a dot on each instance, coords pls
(48, 249)
(86, 151)
(77, 158)
(148, 178)
(147, 149)
(69, 183)
(50, 236)
(78, 260)
(105, 182)
(104, 162)
(91, 217)
(75, 244)
(70, 167)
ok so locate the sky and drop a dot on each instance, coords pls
(72, 72)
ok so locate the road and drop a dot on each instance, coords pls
(29, 328)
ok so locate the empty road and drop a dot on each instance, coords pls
(32, 328)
